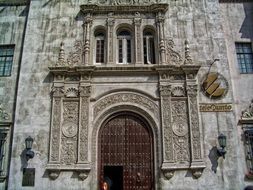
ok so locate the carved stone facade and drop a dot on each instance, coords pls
(176, 104)
(79, 64)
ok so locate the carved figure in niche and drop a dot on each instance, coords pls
(248, 113)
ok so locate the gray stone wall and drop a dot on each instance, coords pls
(238, 27)
(51, 22)
(12, 22)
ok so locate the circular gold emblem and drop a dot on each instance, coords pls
(214, 85)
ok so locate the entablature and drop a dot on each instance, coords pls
(98, 9)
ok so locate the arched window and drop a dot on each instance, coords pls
(124, 47)
(148, 47)
(100, 47)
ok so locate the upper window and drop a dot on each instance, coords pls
(124, 47)
(100, 47)
(6, 59)
(244, 57)
(148, 48)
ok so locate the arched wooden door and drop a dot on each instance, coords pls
(126, 153)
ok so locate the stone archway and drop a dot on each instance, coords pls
(125, 152)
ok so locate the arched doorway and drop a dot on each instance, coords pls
(126, 153)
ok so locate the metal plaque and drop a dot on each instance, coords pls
(218, 107)
(28, 177)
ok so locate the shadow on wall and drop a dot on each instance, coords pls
(213, 156)
(247, 26)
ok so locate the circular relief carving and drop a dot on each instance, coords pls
(69, 129)
(180, 129)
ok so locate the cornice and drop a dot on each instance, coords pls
(95, 8)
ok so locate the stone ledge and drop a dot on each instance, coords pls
(82, 170)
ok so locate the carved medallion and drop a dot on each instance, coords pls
(69, 129)
(180, 129)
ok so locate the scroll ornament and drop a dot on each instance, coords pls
(248, 113)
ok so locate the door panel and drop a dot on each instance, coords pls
(125, 141)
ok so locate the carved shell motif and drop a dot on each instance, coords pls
(71, 93)
(178, 91)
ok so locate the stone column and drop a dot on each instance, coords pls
(110, 30)
(86, 37)
(55, 139)
(138, 39)
(160, 25)
(84, 90)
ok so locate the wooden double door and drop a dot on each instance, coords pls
(126, 153)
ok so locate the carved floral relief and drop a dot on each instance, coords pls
(180, 130)
(125, 97)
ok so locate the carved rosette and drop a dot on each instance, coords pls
(84, 121)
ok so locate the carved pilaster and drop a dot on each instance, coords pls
(165, 93)
(197, 163)
(57, 94)
(86, 49)
(138, 38)
(110, 29)
(160, 25)
(84, 124)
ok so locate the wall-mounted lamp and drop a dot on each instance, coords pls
(28, 145)
(223, 143)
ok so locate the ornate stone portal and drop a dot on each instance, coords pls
(71, 95)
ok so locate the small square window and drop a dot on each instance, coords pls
(6, 60)
(244, 57)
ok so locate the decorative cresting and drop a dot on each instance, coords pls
(69, 125)
(180, 114)
(125, 98)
